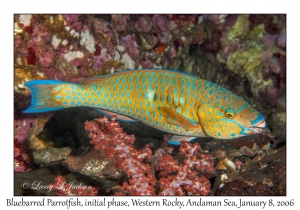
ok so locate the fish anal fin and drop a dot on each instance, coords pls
(121, 118)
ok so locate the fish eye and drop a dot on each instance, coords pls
(229, 114)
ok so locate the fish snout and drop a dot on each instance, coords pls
(256, 128)
(260, 124)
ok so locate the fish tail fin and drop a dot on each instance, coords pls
(43, 95)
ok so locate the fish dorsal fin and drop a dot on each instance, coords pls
(95, 79)
(103, 77)
(174, 118)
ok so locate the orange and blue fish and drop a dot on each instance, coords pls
(172, 101)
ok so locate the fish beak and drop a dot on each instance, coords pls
(261, 124)
(257, 128)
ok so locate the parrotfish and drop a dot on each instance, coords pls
(172, 101)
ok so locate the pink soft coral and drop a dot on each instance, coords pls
(188, 179)
(108, 136)
(140, 166)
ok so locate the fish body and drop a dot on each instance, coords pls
(171, 101)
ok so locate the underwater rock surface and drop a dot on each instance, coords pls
(244, 53)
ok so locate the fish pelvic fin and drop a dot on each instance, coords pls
(43, 97)
(175, 140)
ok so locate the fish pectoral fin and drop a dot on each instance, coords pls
(175, 140)
(172, 117)
(121, 118)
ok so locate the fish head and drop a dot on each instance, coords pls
(230, 119)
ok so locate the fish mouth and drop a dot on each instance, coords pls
(257, 128)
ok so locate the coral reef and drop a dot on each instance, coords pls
(256, 166)
(20, 164)
(188, 180)
(51, 155)
(108, 136)
(94, 164)
(244, 53)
